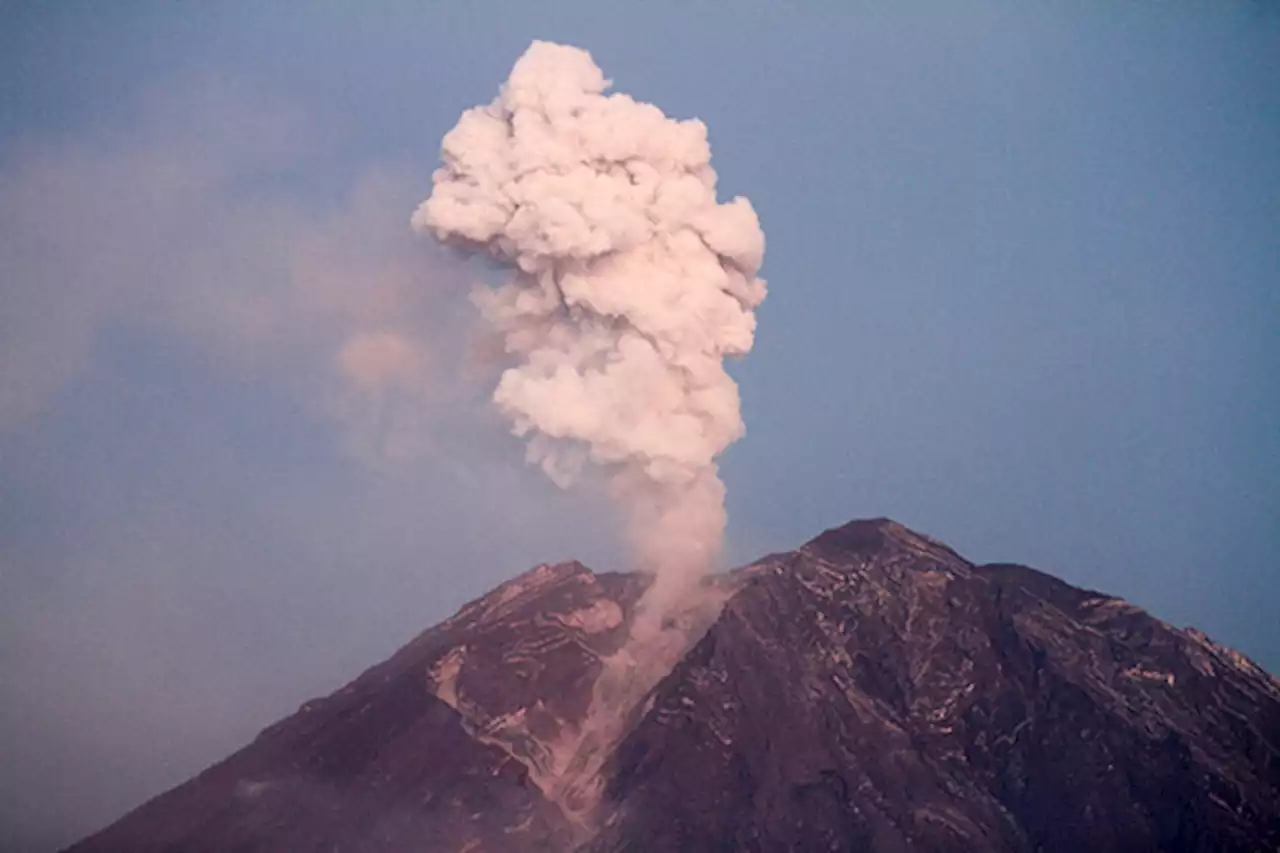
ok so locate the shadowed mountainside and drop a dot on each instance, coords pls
(870, 691)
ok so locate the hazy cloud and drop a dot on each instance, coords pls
(184, 221)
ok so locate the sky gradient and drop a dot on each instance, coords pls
(1023, 269)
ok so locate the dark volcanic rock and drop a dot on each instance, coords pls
(437, 748)
(870, 691)
(874, 691)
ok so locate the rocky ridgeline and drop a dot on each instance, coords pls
(871, 691)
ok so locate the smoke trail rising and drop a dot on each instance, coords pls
(631, 285)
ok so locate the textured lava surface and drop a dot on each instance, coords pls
(871, 691)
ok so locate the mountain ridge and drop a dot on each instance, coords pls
(871, 690)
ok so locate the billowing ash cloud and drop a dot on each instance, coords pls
(631, 285)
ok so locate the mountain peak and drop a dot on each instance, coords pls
(878, 539)
(872, 690)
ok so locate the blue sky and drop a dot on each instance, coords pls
(1023, 268)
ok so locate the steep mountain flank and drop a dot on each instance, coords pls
(870, 691)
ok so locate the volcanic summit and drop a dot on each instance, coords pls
(870, 691)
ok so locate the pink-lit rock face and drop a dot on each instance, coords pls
(871, 690)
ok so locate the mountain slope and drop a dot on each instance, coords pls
(417, 750)
(875, 691)
(869, 691)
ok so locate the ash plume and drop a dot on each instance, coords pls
(630, 286)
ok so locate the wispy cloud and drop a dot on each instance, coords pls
(187, 220)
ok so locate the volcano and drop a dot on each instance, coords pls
(870, 691)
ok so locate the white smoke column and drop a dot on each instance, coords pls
(631, 286)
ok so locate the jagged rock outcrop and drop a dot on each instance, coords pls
(870, 691)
